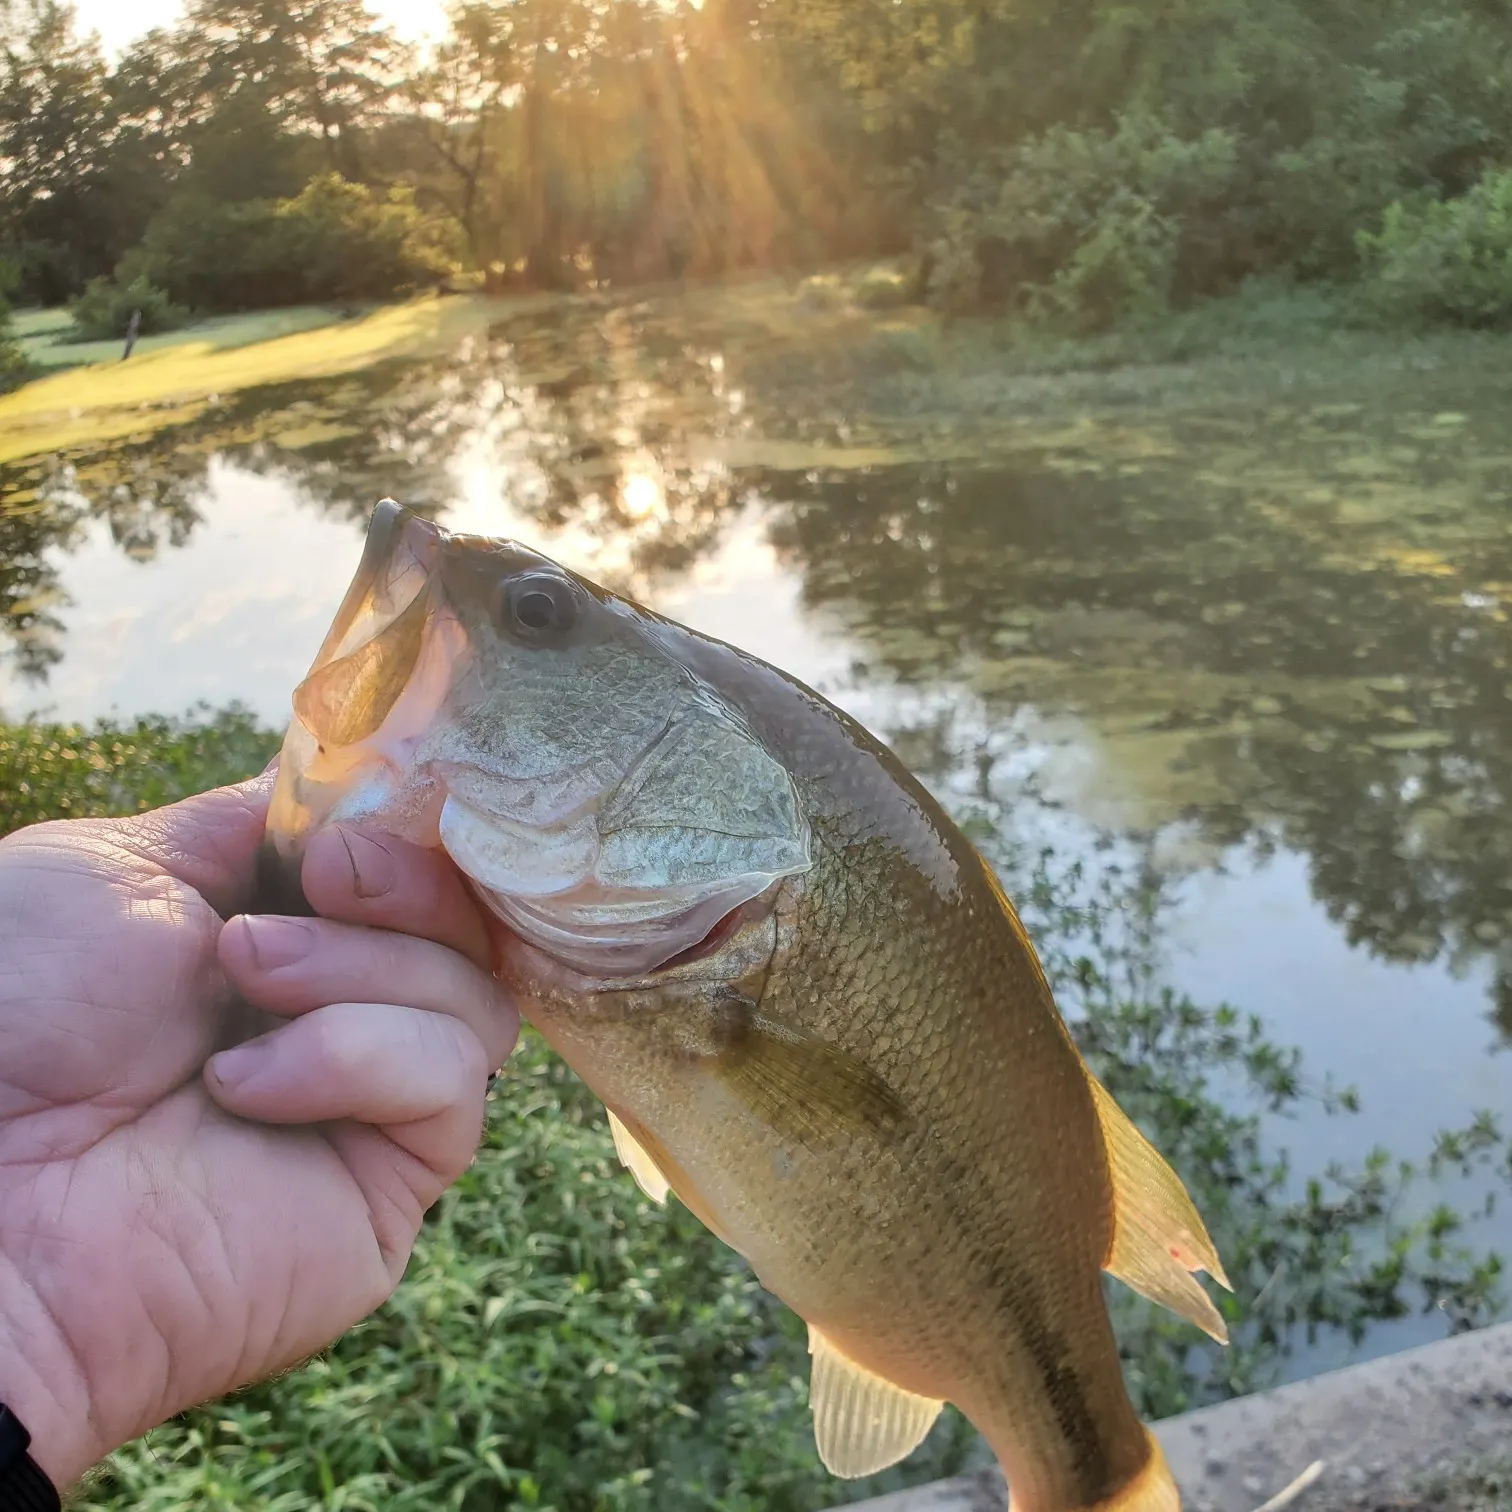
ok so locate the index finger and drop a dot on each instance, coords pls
(360, 876)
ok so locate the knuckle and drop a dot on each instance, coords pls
(339, 1046)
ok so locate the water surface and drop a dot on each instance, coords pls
(1261, 651)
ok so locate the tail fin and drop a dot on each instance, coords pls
(1152, 1490)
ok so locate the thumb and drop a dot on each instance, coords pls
(209, 842)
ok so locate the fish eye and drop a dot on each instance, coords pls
(537, 607)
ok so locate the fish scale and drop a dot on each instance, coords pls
(857, 1076)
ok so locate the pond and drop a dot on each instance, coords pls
(1257, 648)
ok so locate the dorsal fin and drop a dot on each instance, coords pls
(862, 1424)
(633, 1157)
(1159, 1238)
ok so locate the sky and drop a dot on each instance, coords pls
(120, 21)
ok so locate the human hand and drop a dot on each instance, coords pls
(176, 1223)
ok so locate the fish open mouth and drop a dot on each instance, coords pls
(616, 829)
(398, 557)
(381, 671)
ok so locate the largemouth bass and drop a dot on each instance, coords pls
(802, 995)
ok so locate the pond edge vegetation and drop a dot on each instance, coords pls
(561, 1343)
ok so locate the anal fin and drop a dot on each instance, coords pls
(1159, 1239)
(862, 1424)
(633, 1157)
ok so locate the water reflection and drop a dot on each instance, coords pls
(1265, 652)
(1340, 693)
(1310, 653)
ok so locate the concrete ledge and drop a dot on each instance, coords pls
(1379, 1426)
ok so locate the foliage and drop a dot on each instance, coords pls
(1445, 260)
(105, 308)
(334, 241)
(560, 1343)
(54, 121)
(1083, 163)
(1084, 227)
(14, 367)
(65, 771)
(883, 289)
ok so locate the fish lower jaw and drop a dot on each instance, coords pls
(609, 948)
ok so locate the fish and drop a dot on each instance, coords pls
(808, 1006)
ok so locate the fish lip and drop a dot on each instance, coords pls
(392, 529)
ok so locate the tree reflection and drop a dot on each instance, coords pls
(576, 414)
(1384, 752)
(30, 527)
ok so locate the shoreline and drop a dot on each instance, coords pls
(1386, 1431)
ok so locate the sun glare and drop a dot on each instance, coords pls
(641, 495)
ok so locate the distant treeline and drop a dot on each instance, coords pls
(1080, 161)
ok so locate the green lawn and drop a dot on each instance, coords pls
(173, 377)
(45, 334)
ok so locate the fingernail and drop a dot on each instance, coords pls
(277, 942)
(232, 1067)
(372, 866)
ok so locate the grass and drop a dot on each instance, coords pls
(45, 334)
(176, 380)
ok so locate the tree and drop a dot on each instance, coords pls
(323, 66)
(56, 129)
(462, 105)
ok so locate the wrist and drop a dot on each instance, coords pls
(43, 1386)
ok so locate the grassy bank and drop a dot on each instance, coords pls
(844, 382)
(46, 335)
(560, 1343)
(172, 378)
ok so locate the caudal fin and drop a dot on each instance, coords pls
(1152, 1490)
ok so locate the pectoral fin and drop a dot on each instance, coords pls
(633, 1157)
(806, 1090)
(1159, 1239)
(862, 1424)
(657, 1174)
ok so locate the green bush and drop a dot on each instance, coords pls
(1083, 229)
(103, 311)
(1447, 260)
(14, 368)
(333, 242)
(65, 771)
(883, 289)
